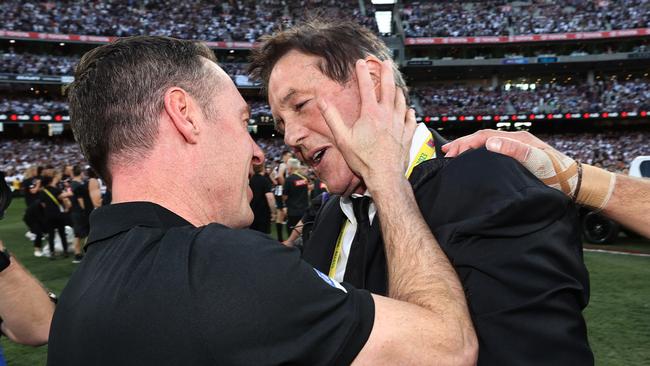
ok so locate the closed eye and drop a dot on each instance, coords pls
(299, 106)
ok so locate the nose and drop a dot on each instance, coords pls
(258, 155)
(294, 133)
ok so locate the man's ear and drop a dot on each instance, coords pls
(180, 108)
(374, 66)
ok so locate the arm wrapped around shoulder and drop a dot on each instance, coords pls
(516, 246)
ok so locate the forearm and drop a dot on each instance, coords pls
(96, 198)
(629, 204)
(25, 308)
(418, 270)
(295, 233)
(270, 200)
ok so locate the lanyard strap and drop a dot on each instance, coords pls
(427, 151)
(337, 250)
(302, 176)
(56, 202)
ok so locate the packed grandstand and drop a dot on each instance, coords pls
(574, 71)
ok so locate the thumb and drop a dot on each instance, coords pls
(509, 147)
(333, 120)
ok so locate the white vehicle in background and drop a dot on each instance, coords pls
(597, 229)
(640, 167)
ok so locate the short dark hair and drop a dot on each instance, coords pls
(76, 170)
(118, 91)
(258, 168)
(340, 43)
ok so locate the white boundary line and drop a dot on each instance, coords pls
(615, 252)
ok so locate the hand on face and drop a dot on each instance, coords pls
(375, 146)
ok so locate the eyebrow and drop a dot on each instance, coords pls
(290, 94)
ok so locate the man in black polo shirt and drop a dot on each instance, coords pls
(263, 203)
(295, 193)
(52, 199)
(80, 209)
(169, 276)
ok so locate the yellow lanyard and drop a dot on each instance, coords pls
(302, 176)
(56, 202)
(427, 151)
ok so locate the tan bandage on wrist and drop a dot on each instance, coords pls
(596, 187)
(555, 170)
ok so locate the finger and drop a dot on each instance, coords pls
(399, 113)
(509, 147)
(333, 120)
(387, 82)
(460, 145)
(410, 124)
(366, 86)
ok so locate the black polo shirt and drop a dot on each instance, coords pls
(260, 185)
(296, 188)
(155, 290)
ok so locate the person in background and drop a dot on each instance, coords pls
(52, 200)
(95, 186)
(263, 202)
(295, 193)
(34, 215)
(280, 176)
(79, 212)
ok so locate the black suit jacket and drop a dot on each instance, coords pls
(515, 245)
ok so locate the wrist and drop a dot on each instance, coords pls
(596, 187)
(387, 186)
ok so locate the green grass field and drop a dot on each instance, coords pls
(618, 316)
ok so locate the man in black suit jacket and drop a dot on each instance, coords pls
(513, 241)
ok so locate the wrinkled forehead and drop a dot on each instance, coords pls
(293, 72)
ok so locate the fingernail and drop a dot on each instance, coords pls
(494, 144)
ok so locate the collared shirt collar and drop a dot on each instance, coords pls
(108, 221)
(420, 135)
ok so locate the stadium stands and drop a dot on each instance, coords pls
(502, 18)
(241, 20)
(602, 96)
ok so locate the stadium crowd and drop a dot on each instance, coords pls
(603, 96)
(27, 63)
(247, 20)
(456, 99)
(241, 20)
(502, 18)
(32, 105)
(612, 150)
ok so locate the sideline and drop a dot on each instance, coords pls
(620, 252)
